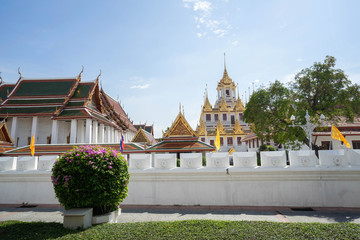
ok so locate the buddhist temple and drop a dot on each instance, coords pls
(144, 138)
(226, 115)
(62, 111)
(180, 138)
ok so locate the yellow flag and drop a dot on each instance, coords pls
(336, 134)
(32, 145)
(217, 140)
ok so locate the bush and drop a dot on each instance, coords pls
(91, 177)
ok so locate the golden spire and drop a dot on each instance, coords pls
(220, 126)
(237, 129)
(223, 106)
(239, 106)
(201, 129)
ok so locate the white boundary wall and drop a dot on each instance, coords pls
(299, 185)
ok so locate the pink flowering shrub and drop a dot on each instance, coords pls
(91, 176)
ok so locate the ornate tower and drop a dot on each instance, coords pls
(226, 114)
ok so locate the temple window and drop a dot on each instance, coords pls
(212, 143)
(221, 141)
(208, 117)
(224, 117)
(230, 141)
(240, 116)
(238, 140)
(356, 144)
(227, 93)
(232, 119)
(216, 117)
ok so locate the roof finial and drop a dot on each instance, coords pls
(1, 80)
(224, 63)
(98, 75)
(19, 72)
(206, 91)
(237, 86)
(179, 107)
(82, 70)
(183, 111)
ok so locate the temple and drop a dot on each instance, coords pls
(62, 111)
(226, 115)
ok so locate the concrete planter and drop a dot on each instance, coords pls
(110, 217)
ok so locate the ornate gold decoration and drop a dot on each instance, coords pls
(220, 126)
(223, 106)
(140, 137)
(180, 127)
(207, 106)
(231, 151)
(239, 106)
(201, 129)
(237, 129)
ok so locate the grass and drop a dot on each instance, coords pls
(194, 229)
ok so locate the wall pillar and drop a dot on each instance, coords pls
(54, 132)
(88, 131)
(73, 128)
(34, 128)
(14, 126)
(95, 131)
(102, 133)
(108, 133)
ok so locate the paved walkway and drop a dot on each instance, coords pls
(46, 213)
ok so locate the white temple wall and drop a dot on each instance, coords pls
(9, 124)
(64, 131)
(300, 185)
(44, 130)
(23, 131)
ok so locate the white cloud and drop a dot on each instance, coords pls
(141, 86)
(235, 43)
(299, 59)
(288, 78)
(204, 18)
(199, 35)
(204, 6)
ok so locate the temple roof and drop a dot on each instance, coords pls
(6, 143)
(180, 128)
(58, 149)
(144, 137)
(181, 146)
(149, 128)
(62, 98)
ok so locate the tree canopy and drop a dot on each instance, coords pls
(320, 89)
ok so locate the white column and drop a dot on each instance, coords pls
(14, 128)
(88, 131)
(73, 128)
(54, 132)
(112, 135)
(95, 132)
(34, 127)
(82, 131)
(108, 133)
(102, 133)
(117, 139)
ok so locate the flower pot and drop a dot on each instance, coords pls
(110, 217)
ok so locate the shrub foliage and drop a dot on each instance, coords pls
(91, 176)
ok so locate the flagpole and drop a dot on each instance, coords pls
(330, 145)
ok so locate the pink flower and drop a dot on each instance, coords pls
(110, 167)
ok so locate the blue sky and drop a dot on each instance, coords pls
(156, 54)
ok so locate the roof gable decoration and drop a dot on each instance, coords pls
(4, 133)
(237, 128)
(180, 127)
(140, 137)
(220, 127)
(223, 106)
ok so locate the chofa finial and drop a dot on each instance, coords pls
(19, 72)
(224, 63)
(82, 70)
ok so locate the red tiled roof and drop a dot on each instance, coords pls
(118, 109)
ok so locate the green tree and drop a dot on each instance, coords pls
(269, 109)
(320, 89)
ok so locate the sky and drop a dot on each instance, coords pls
(157, 54)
